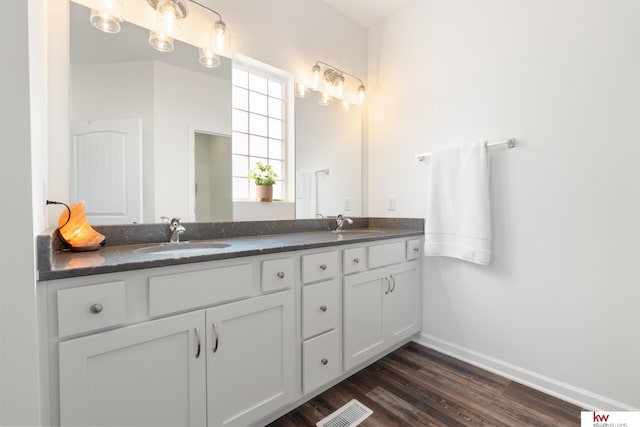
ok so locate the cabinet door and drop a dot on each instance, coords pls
(152, 373)
(250, 358)
(402, 304)
(363, 316)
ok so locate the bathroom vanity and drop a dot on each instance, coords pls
(234, 335)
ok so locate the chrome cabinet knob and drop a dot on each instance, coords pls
(95, 309)
(280, 275)
(324, 361)
(323, 308)
(356, 260)
(416, 250)
(323, 266)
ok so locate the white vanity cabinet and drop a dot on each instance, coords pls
(250, 358)
(229, 342)
(381, 305)
(149, 374)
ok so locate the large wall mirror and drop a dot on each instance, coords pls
(183, 116)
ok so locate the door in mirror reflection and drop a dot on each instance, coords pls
(213, 180)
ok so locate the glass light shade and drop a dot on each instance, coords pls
(361, 94)
(315, 76)
(301, 90)
(168, 18)
(160, 41)
(325, 99)
(76, 231)
(208, 58)
(339, 84)
(345, 105)
(108, 16)
(218, 34)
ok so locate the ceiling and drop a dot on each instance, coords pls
(367, 12)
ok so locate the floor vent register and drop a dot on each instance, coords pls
(350, 415)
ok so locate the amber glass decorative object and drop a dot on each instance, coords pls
(75, 230)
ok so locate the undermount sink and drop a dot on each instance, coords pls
(363, 231)
(183, 248)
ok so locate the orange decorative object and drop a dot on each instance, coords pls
(76, 230)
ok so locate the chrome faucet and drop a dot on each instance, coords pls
(175, 228)
(340, 222)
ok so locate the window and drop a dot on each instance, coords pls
(260, 127)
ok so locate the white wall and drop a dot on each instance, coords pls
(21, 113)
(558, 307)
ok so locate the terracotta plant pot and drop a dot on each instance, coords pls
(264, 193)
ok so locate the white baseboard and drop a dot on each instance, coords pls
(580, 397)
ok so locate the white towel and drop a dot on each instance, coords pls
(458, 221)
(305, 193)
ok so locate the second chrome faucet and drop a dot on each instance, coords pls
(175, 228)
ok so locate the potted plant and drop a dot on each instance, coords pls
(264, 177)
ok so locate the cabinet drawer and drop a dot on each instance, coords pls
(277, 274)
(413, 249)
(183, 291)
(320, 307)
(386, 254)
(354, 260)
(88, 308)
(320, 360)
(321, 266)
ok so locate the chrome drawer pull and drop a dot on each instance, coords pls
(95, 309)
(323, 307)
(324, 361)
(323, 266)
(394, 283)
(280, 275)
(388, 286)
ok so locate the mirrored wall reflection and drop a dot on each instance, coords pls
(213, 182)
(118, 76)
(328, 159)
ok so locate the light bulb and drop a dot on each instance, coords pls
(339, 84)
(361, 94)
(208, 58)
(108, 16)
(345, 105)
(219, 34)
(160, 41)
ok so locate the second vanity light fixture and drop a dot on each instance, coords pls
(333, 79)
(170, 14)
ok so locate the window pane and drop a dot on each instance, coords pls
(275, 108)
(240, 142)
(240, 188)
(275, 128)
(240, 121)
(275, 149)
(258, 103)
(239, 98)
(257, 125)
(240, 78)
(257, 83)
(277, 190)
(276, 89)
(258, 146)
(278, 167)
(240, 166)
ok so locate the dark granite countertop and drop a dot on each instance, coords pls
(245, 239)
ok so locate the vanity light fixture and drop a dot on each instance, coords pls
(74, 230)
(169, 14)
(337, 87)
(218, 40)
(108, 16)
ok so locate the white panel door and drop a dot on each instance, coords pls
(250, 358)
(402, 304)
(106, 169)
(149, 374)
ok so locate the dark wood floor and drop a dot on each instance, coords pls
(417, 386)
